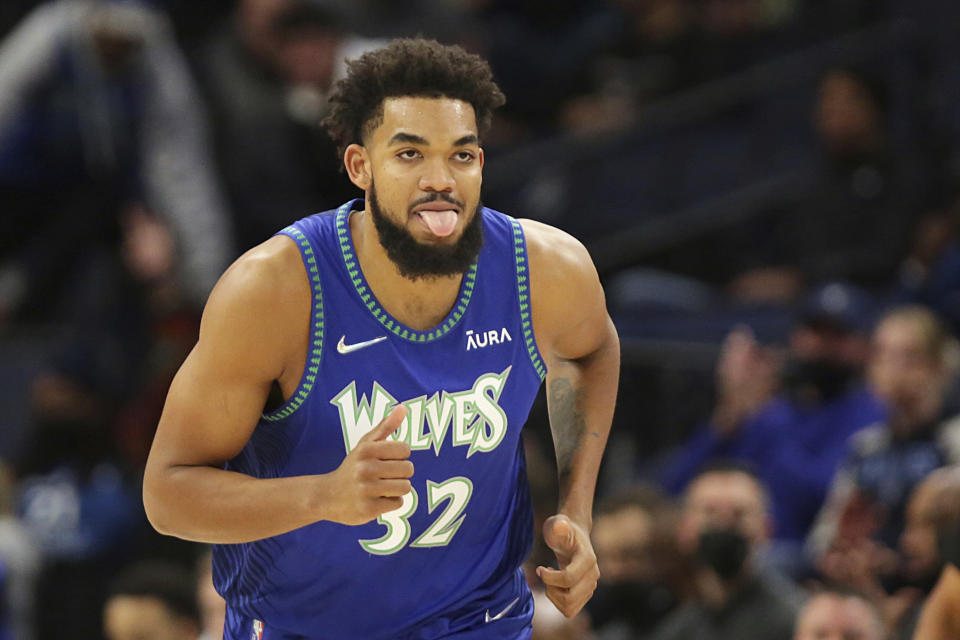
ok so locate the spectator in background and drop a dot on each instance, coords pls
(724, 526)
(267, 74)
(213, 608)
(855, 218)
(838, 615)
(913, 362)
(921, 561)
(152, 601)
(790, 421)
(541, 52)
(940, 619)
(930, 273)
(919, 565)
(381, 19)
(19, 565)
(652, 56)
(98, 121)
(79, 510)
(640, 569)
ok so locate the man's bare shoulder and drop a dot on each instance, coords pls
(569, 311)
(269, 272)
(265, 292)
(555, 255)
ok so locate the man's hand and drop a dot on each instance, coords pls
(374, 477)
(572, 585)
(747, 376)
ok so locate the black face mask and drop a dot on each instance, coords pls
(810, 381)
(639, 603)
(724, 551)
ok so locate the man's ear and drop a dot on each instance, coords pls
(356, 160)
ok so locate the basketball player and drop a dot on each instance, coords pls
(384, 495)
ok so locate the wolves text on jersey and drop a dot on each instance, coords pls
(473, 416)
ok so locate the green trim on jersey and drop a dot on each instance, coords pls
(366, 296)
(316, 332)
(523, 291)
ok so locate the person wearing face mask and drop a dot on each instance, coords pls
(724, 526)
(640, 569)
(789, 416)
(911, 367)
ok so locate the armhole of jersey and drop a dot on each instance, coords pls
(523, 299)
(315, 341)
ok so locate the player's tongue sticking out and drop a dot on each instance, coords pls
(440, 223)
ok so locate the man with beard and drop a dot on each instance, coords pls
(790, 418)
(383, 493)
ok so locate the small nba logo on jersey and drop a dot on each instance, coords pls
(257, 633)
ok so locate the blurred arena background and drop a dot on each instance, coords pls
(758, 181)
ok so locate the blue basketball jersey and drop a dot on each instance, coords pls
(447, 562)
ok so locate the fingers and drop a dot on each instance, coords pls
(401, 469)
(385, 450)
(581, 568)
(370, 471)
(570, 601)
(387, 426)
(572, 585)
(392, 488)
(383, 505)
(570, 589)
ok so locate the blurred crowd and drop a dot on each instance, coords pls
(802, 157)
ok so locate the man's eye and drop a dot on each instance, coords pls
(408, 154)
(465, 156)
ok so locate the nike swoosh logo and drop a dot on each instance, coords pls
(489, 618)
(344, 348)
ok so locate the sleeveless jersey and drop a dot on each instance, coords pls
(448, 559)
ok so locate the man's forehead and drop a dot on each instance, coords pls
(725, 487)
(438, 120)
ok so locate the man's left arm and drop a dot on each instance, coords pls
(582, 352)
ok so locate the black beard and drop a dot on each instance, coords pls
(416, 260)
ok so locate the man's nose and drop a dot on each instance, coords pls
(437, 177)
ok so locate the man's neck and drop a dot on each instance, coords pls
(419, 304)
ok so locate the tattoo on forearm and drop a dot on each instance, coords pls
(567, 423)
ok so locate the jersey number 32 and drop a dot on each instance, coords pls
(455, 492)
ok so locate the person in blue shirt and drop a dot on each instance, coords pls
(790, 420)
(383, 493)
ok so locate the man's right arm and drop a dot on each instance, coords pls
(253, 333)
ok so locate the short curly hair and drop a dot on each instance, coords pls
(413, 67)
